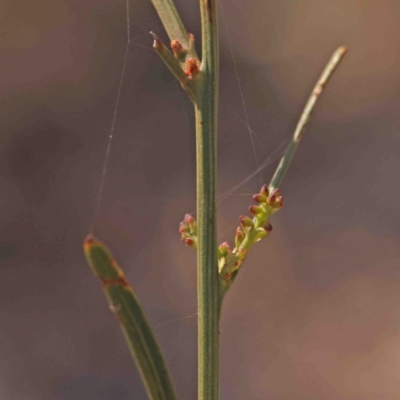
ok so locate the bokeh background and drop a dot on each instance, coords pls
(314, 314)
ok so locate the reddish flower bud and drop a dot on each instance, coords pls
(192, 68)
(177, 48)
(279, 202)
(255, 210)
(189, 219)
(183, 227)
(272, 197)
(264, 191)
(189, 242)
(246, 222)
(268, 227)
(224, 249)
(260, 199)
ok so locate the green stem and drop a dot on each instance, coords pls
(173, 24)
(305, 117)
(203, 90)
(209, 303)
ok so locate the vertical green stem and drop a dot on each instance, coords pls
(206, 149)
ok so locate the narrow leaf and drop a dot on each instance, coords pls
(287, 157)
(173, 24)
(132, 319)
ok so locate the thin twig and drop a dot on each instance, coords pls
(305, 117)
(174, 66)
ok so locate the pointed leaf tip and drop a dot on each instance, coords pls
(101, 261)
(88, 242)
(132, 319)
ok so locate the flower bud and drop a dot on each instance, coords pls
(279, 202)
(178, 50)
(183, 227)
(260, 198)
(267, 227)
(255, 210)
(224, 249)
(192, 68)
(264, 191)
(189, 242)
(272, 197)
(239, 237)
(191, 223)
(189, 219)
(246, 223)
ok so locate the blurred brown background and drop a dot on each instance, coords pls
(315, 313)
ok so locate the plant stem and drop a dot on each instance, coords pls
(173, 24)
(203, 91)
(174, 66)
(287, 157)
(209, 303)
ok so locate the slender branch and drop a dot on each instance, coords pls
(173, 24)
(209, 301)
(171, 62)
(174, 66)
(305, 117)
(132, 319)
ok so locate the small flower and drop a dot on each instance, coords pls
(178, 50)
(267, 226)
(272, 197)
(246, 223)
(188, 231)
(260, 198)
(192, 68)
(224, 249)
(184, 228)
(264, 191)
(256, 210)
(189, 242)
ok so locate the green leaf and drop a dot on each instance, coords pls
(132, 319)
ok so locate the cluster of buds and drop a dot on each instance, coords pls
(259, 227)
(272, 201)
(250, 231)
(229, 261)
(188, 231)
(190, 65)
